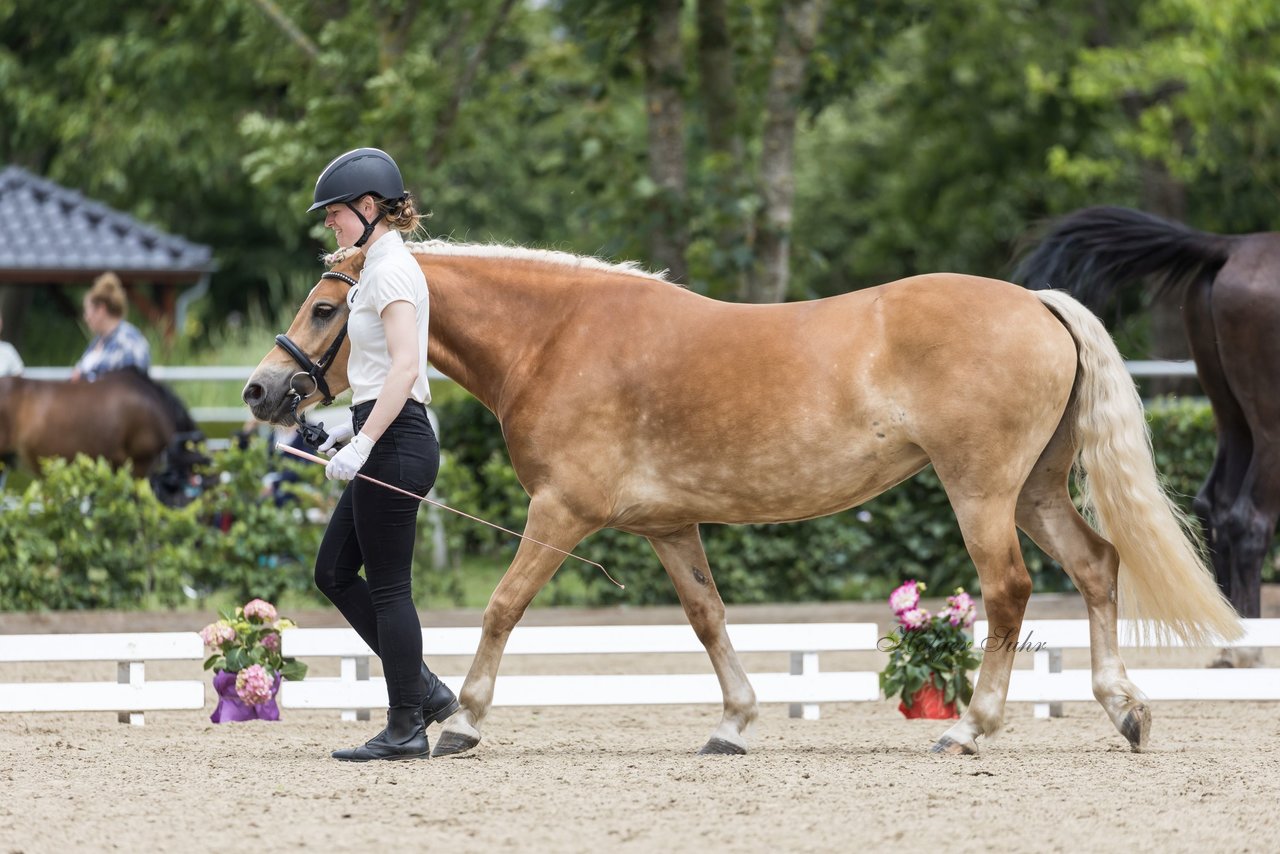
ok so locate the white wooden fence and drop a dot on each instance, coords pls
(804, 687)
(240, 373)
(130, 695)
(1049, 686)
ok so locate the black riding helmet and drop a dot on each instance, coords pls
(365, 171)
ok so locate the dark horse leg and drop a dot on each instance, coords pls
(1218, 494)
(1242, 315)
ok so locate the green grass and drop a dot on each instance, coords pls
(480, 575)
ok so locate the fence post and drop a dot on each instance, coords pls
(131, 673)
(803, 664)
(1048, 661)
(355, 669)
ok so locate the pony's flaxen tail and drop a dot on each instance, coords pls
(1163, 576)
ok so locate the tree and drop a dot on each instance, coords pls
(796, 33)
(661, 47)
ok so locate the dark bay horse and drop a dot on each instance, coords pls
(124, 417)
(1229, 287)
(629, 402)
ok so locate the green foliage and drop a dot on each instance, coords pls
(931, 136)
(909, 532)
(1191, 88)
(89, 537)
(251, 547)
(85, 536)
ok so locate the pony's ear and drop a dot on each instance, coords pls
(352, 264)
(349, 261)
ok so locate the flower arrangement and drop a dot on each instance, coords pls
(247, 659)
(929, 652)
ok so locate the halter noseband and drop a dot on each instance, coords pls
(314, 435)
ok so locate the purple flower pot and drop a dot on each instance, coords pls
(231, 708)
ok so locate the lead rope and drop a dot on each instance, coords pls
(289, 449)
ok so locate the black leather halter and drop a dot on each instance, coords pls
(314, 435)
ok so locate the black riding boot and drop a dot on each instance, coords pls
(404, 738)
(438, 701)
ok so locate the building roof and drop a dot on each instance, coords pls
(49, 233)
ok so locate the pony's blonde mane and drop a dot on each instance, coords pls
(518, 253)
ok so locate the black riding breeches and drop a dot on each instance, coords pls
(375, 527)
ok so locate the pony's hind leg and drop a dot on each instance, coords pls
(992, 541)
(682, 555)
(552, 523)
(1046, 513)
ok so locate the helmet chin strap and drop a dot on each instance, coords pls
(368, 226)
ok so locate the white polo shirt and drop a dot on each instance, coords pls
(390, 274)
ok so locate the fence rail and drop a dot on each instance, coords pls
(241, 373)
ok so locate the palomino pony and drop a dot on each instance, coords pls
(1230, 298)
(629, 402)
(124, 417)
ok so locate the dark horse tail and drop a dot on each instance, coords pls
(1094, 251)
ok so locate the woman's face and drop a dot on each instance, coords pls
(346, 226)
(93, 315)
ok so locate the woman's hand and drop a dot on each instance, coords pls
(341, 432)
(350, 459)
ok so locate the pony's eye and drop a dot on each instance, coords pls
(323, 312)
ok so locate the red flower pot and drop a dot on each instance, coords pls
(928, 703)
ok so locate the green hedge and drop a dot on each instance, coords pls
(909, 532)
(86, 536)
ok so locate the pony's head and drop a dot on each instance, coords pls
(305, 367)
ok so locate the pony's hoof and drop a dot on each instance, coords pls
(720, 747)
(452, 743)
(954, 748)
(1136, 727)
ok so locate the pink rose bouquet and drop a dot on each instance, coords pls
(929, 649)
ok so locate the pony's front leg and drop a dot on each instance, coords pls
(552, 523)
(682, 555)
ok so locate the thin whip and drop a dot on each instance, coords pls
(289, 449)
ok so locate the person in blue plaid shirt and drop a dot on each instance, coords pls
(117, 343)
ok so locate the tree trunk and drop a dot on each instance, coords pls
(797, 31)
(736, 235)
(715, 72)
(663, 84)
(1165, 196)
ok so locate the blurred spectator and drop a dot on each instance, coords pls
(117, 343)
(10, 361)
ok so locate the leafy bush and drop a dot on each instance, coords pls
(909, 532)
(85, 536)
(88, 537)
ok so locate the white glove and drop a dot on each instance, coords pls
(350, 459)
(341, 432)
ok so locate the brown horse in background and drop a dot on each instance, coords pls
(1229, 287)
(124, 417)
(629, 402)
